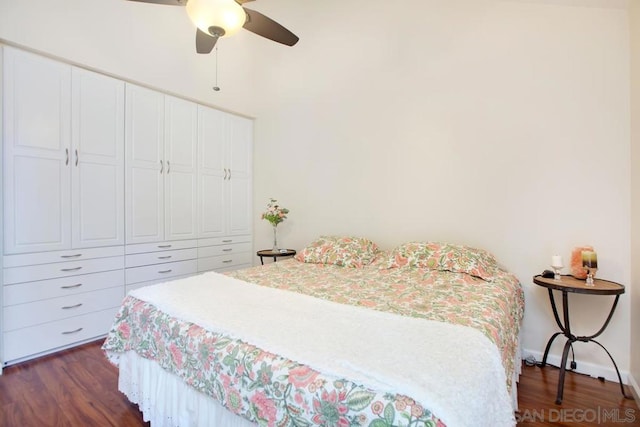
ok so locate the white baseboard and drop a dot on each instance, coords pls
(607, 372)
(635, 389)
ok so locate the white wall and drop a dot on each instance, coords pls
(502, 124)
(635, 194)
(496, 123)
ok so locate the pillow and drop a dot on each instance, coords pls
(445, 257)
(343, 251)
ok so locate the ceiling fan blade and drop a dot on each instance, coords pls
(204, 42)
(266, 27)
(169, 2)
(241, 2)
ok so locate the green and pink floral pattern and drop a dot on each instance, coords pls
(342, 251)
(495, 308)
(442, 256)
(265, 388)
(274, 391)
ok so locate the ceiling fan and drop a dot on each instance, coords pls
(218, 18)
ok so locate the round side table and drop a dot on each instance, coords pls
(566, 285)
(274, 254)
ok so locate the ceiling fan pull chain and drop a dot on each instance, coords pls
(216, 87)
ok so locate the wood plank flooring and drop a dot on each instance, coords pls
(79, 387)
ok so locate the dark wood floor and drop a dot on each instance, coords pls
(79, 387)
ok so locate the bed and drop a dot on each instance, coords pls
(425, 334)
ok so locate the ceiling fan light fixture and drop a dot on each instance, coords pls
(212, 15)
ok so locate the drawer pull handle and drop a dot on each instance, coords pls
(71, 286)
(164, 257)
(165, 271)
(71, 269)
(227, 261)
(227, 241)
(70, 256)
(72, 332)
(163, 246)
(69, 307)
(227, 250)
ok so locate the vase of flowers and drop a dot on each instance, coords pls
(275, 214)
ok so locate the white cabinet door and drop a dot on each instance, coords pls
(239, 158)
(240, 146)
(180, 153)
(97, 160)
(37, 108)
(212, 173)
(144, 141)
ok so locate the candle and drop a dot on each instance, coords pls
(589, 259)
(556, 261)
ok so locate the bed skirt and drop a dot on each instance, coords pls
(166, 400)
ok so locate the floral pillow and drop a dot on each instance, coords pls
(444, 256)
(343, 251)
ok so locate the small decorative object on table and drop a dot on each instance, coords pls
(556, 264)
(275, 214)
(577, 270)
(590, 262)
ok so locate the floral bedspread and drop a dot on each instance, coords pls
(274, 391)
(496, 308)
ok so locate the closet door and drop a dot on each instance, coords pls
(212, 172)
(37, 120)
(98, 160)
(144, 171)
(180, 153)
(239, 154)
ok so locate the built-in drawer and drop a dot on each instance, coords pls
(160, 246)
(216, 241)
(38, 312)
(30, 341)
(148, 258)
(230, 268)
(61, 256)
(223, 262)
(61, 269)
(160, 271)
(228, 249)
(22, 293)
(133, 286)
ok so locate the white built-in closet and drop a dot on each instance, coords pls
(108, 186)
